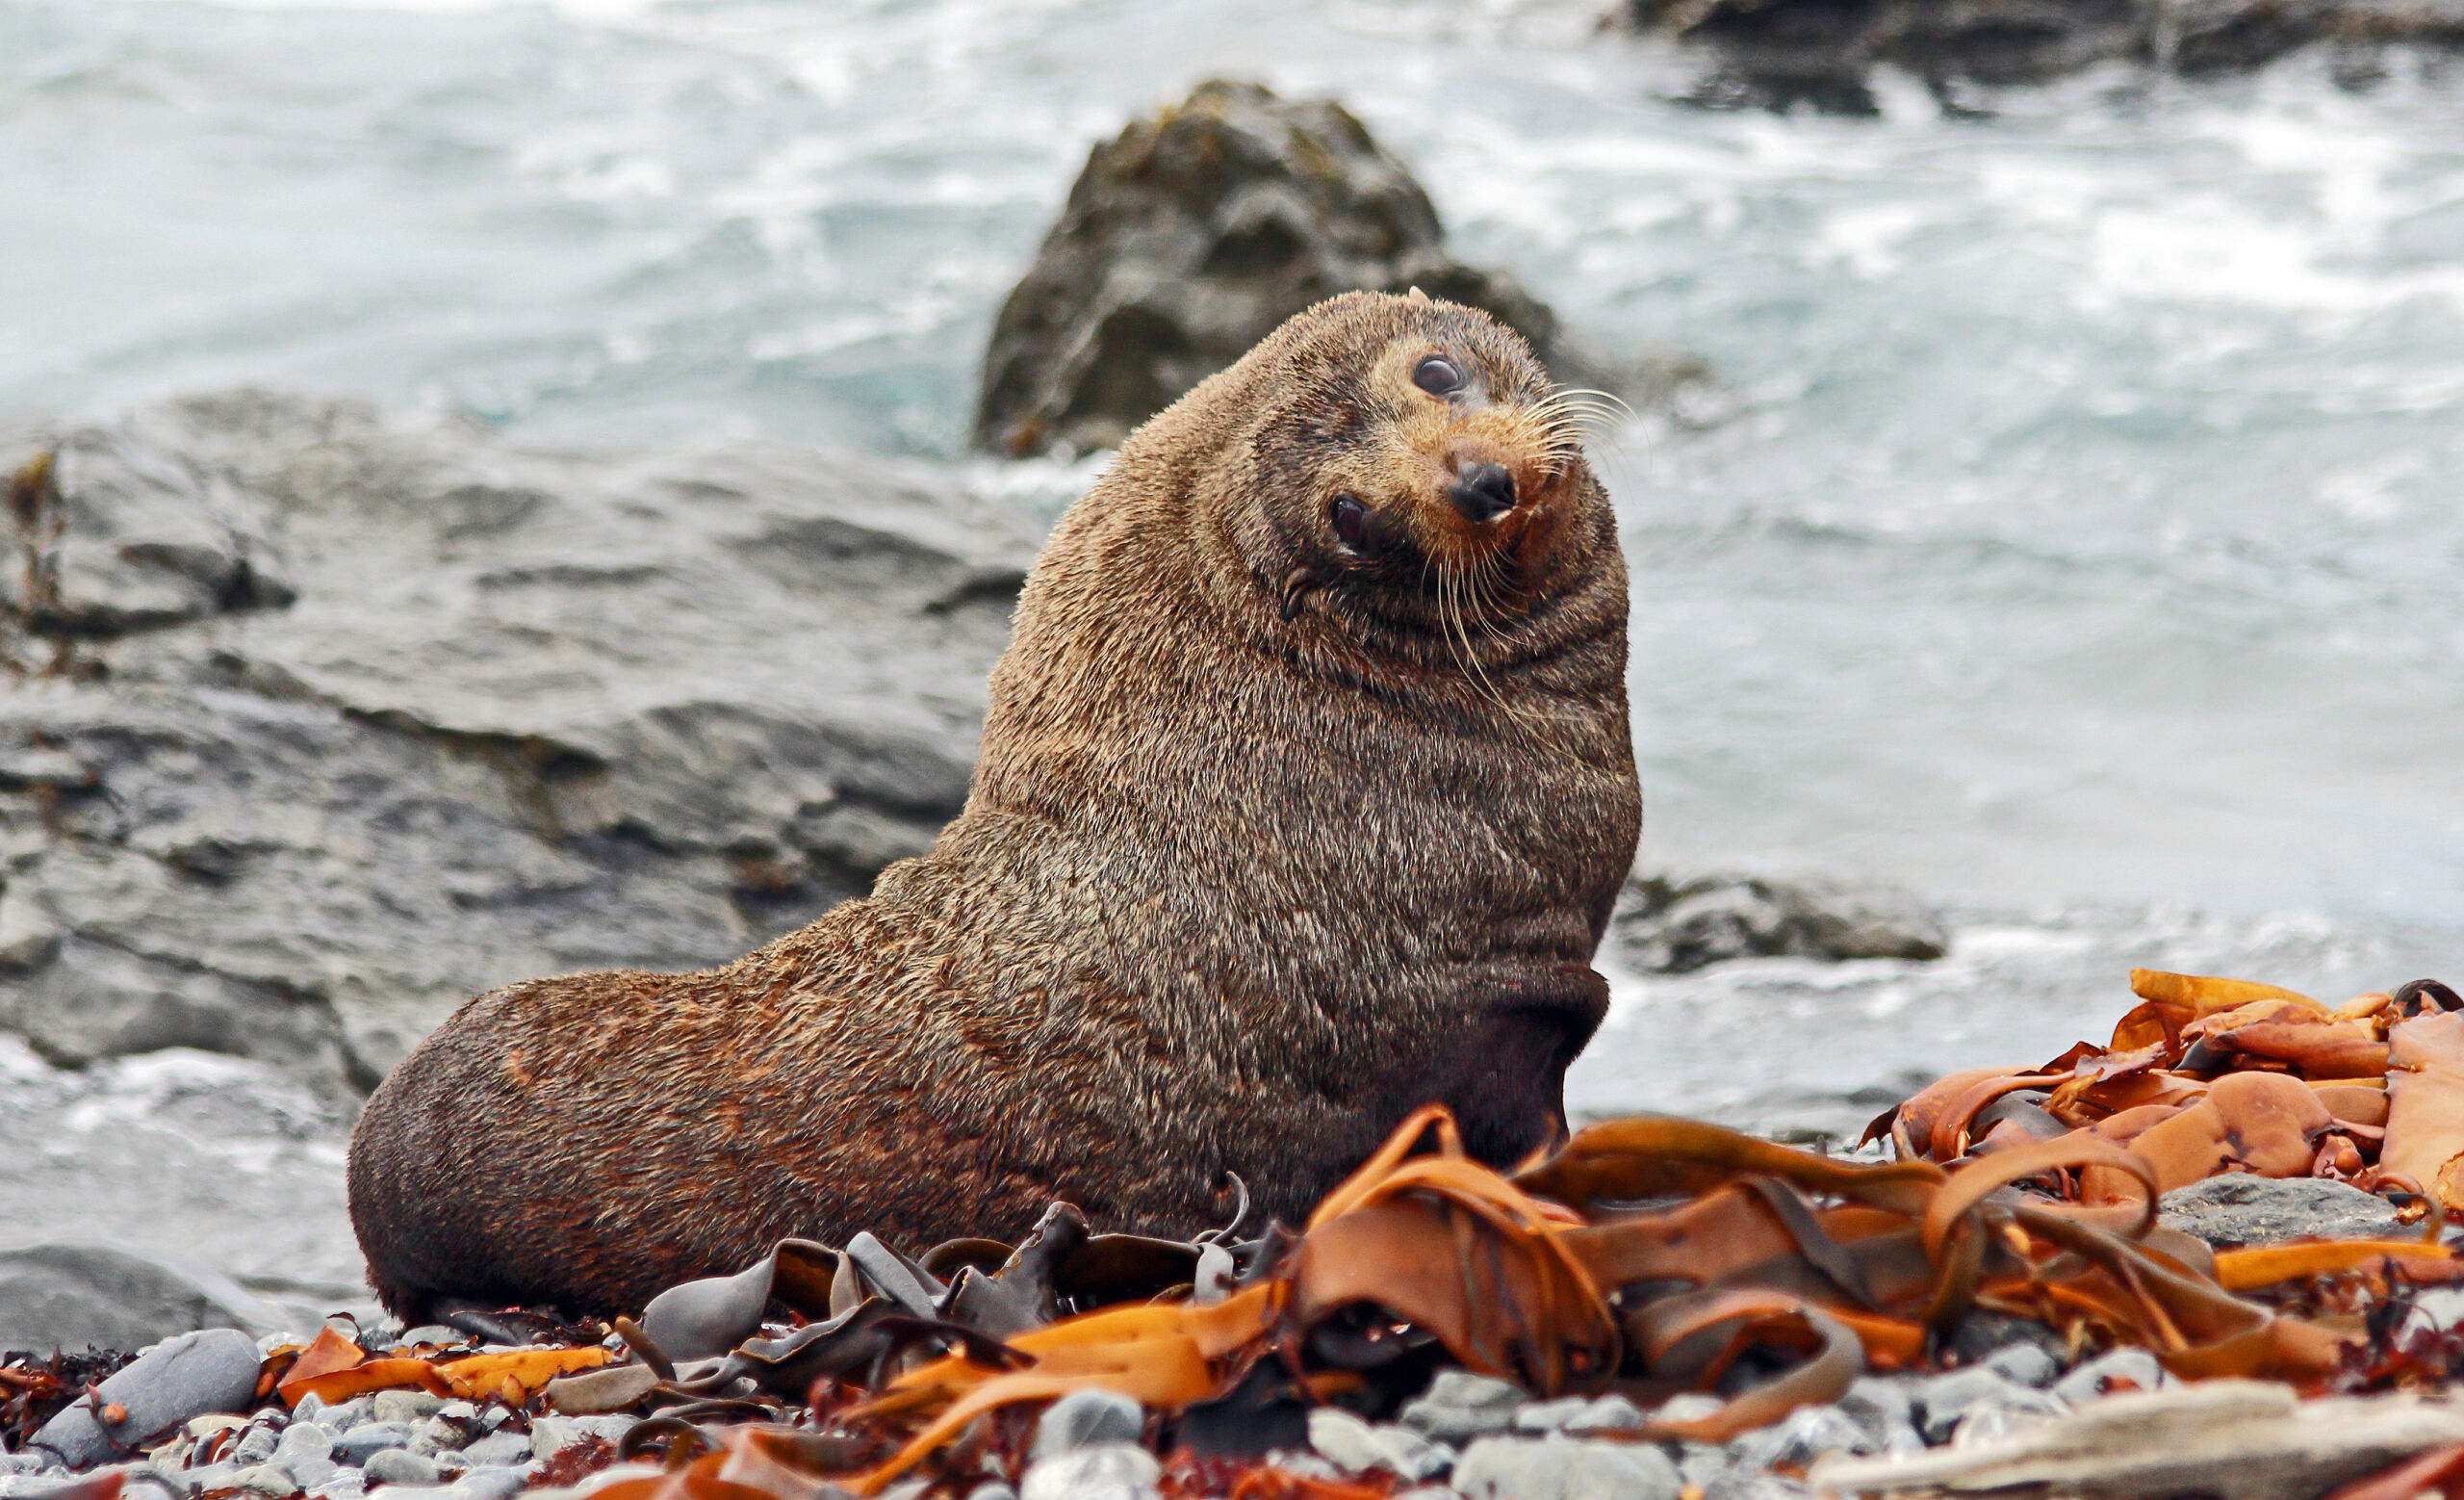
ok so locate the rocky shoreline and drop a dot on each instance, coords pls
(511, 1402)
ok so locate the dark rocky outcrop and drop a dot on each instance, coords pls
(1192, 235)
(1780, 53)
(321, 726)
(1673, 924)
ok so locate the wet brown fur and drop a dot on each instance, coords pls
(1269, 843)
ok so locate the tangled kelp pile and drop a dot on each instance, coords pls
(1650, 1258)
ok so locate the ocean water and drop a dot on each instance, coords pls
(2071, 533)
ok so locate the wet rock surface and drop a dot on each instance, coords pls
(1676, 923)
(2240, 1208)
(82, 1295)
(324, 725)
(1197, 231)
(1822, 53)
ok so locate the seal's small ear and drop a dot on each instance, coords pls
(1416, 295)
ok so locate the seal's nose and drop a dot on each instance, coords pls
(1483, 491)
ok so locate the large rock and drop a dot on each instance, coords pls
(1673, 924)
(2240, 1208)
(191, 1376)
(1190, 236)
(1821, 52)
(323, 726)
(82, 1296)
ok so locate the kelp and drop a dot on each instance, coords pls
(1647, 1255)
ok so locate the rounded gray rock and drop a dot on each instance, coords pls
(1556, 1468)
(1086, 1420)
(1106, 1471)
(210, 1370)
(399, 1466)
(370, 1439)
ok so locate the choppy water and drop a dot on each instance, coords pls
(2074, 536)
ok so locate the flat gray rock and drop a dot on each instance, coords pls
(2240, 1208)
(80, 1296)
(210, 1370)
(330, 724)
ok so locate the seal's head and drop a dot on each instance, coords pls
(1410, 466)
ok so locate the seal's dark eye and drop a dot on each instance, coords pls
(1437, 376)
(1351, 519)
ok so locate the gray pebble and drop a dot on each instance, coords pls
(1943, 1400)
(1607, 1414)
(551, 1435)
(367, 1438)
(1547, 1416)
(210, 1370)
(211, 1476)
(497, 1448)
(1558, 1468)
(491, 1482)
(1698, 1464)
(267, 1479)
(1357, 1447)
(348, 1415)
(992, 1489)
(1992, 1420)
(399, 1466)
(309, 1473)
(2025, 1364)
(256, 1445)
(438, 1434)
(1088, 1418)
(1873, 1399)
(304, 1440)
(346, 1485)
(1459, 1405)
(1106, 1471)
(1691, 1406)
(403, 1405)
(1802, 1436)
(612, 1426)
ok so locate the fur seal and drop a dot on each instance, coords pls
(1305, 789)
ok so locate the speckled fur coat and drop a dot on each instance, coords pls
(1232, 893)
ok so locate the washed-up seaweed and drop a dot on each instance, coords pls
(1648, 1257)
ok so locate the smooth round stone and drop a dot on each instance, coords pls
(1087, 1418)
(399, 1466)
(1946, 1399)
(370, 1439)
(191, 1376)
(1558, 1469)
(494, 1482)
(1111, 1471)
(404, 1405)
